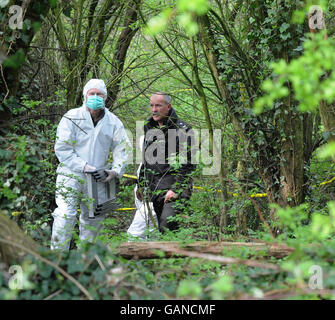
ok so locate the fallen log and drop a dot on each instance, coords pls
(150, 250)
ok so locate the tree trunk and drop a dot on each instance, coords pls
(200, 90)
(292, 156)
(121, 50)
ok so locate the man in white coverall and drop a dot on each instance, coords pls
(85, 138)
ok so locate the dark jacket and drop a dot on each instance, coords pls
(175, 140)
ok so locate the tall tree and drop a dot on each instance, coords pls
(275, 140)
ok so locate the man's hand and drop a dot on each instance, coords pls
(111, 174)
(169, 196)
(139, 194)
(89, 169)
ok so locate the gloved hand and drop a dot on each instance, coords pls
(100, 175)
(89, 169)
(111, 174)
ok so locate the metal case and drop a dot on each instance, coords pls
(111, 189)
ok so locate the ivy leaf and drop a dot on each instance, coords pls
(285, 36)
(284, 27)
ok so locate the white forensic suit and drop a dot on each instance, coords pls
(79, 143)
(141, 221)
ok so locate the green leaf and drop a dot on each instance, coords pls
(199, 7)
(186, 21)
(223, 285)
(27, 24)
(16, 60)
(284, 27)
(53, 3)
(36, 26)
(285, 36)
(67, 11)
(298, 17)
(189, 288)
(326, 151)
(158, 23)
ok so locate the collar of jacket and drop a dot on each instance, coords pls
(169, 121)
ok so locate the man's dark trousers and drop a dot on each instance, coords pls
(168, 209)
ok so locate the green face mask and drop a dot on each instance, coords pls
(95, 102)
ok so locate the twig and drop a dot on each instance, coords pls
(100, 262)
(53, 294)
(85, 268)
(21, 119)
(4, 80)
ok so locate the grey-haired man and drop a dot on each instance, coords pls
(165, 177)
